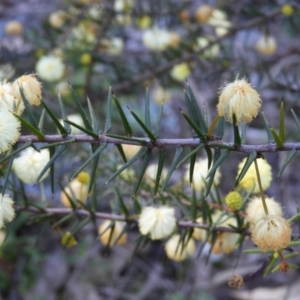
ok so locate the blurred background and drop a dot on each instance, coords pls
(131, 45)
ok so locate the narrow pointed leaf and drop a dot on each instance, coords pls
(191, 111)
(269, 133)
(237, 138)
(213, 125)
(161, 160)
(147, 110)
(88, 132)
(52, 152)
(95, 123)
(145, 128)
(57, 154)
(220, 128)
(124, 120)
(33, 129)
(243, 135)
(94, 166)
(41, 120)
(108, 112)
(121, 151)
(62, 220)
(158, 121)
(28, 110)
(252, 156)
(142, 170)
(194, 127)
(8, 170)
(85, 120)
(281, 123)
(189, 155)
(63, 114)
(125, 138)
(60, 127)
(288, 159)
(278, 141)
(48, 146)
(88, 161)
(140, 154)
(209, 156)
(123, 207)
(192, 165)
(172, 167)
(13, 153)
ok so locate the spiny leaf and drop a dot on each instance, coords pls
(88, 132)
(147, 110)
(51, 152)
(13, 153)
(189, 155)
(220, 128)
(94, 166)
(108, 112)
(278, 141)
(237, 138)
(281, 123)
(161, 160)
(288, 159)
(95, 123)
(125, 138)
(63, 114)
(53, 145)
(252, 156)
(124, 120)
(121, 151)
(269, 133)
(213, 125)
(123, 207)
(296, 120)
(41, 120)
(158, 121)
(28, 110)
(192, 165)
(8, 169)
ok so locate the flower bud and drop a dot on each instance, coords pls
(13, 28)
(266, 45)
(238, 98)
(287, 10)
(234, 200)
(272, 233)
(68, 240)
(111, 233)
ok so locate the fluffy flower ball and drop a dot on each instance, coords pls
(157, 222)
(30, 164)
(255, 210)
(179, 249)
(266, 45)
(7, 211)
(249, 181)
(9, 129)
(50, 68)
(9, 100)
(156, 39)
(110, 233)
(272, 233)
(240, 98)
(200, 174)
(31, 87)
(180, 72)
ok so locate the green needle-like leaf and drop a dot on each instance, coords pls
(252, 156)
(269, 133)
(190, 155)
(13, 153)
(121, 151)
(123, 207)
(140, 154)
(220, 128)
(145, 128)
(281, 123)
(85, 120)
(52, 152)
(92, 157)
(278, 141)
(28, 110)
(237, 138)
(158, 121)
(95, 123)
(60, 127)
(172, 167)
(194, 127)
(192, 165)
(8, 169)
(125, 138)
(41, 120)
(212, 126)
(108, 112)
(125, 122)
(94, 166)
(288, 159)
(63, 114)
(142, 170)
(88, 132)
(296, 120)
(147, 110)
(33, 129)
(161, 160)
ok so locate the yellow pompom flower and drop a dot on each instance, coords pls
(9, 129)
(7, 211)
(234, 200)
(31, 88)
(77, 190)
(287, 10)
(200, 174)
(157, 222)
(249, 181)
(68, 240)
(85, 58)
(240, 98)
(110, 233)
(255, 210)
(179, 249)
(180, 71)
(30, 164)
(272, 233)
(266, 45)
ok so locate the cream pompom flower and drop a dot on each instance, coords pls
(249, 181)
(7, 211)
(161, 95)
(77, 190)
(9, 100)
(157, 222)
(266, 45)
(240, 98)
(255, 210)
(179, 249)
(180, 71)
(272, 233)
(200, 174)
(30, 164)
(31, 88)
(9, 129)
(156, 39)
(111, 233)
(50, 68)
